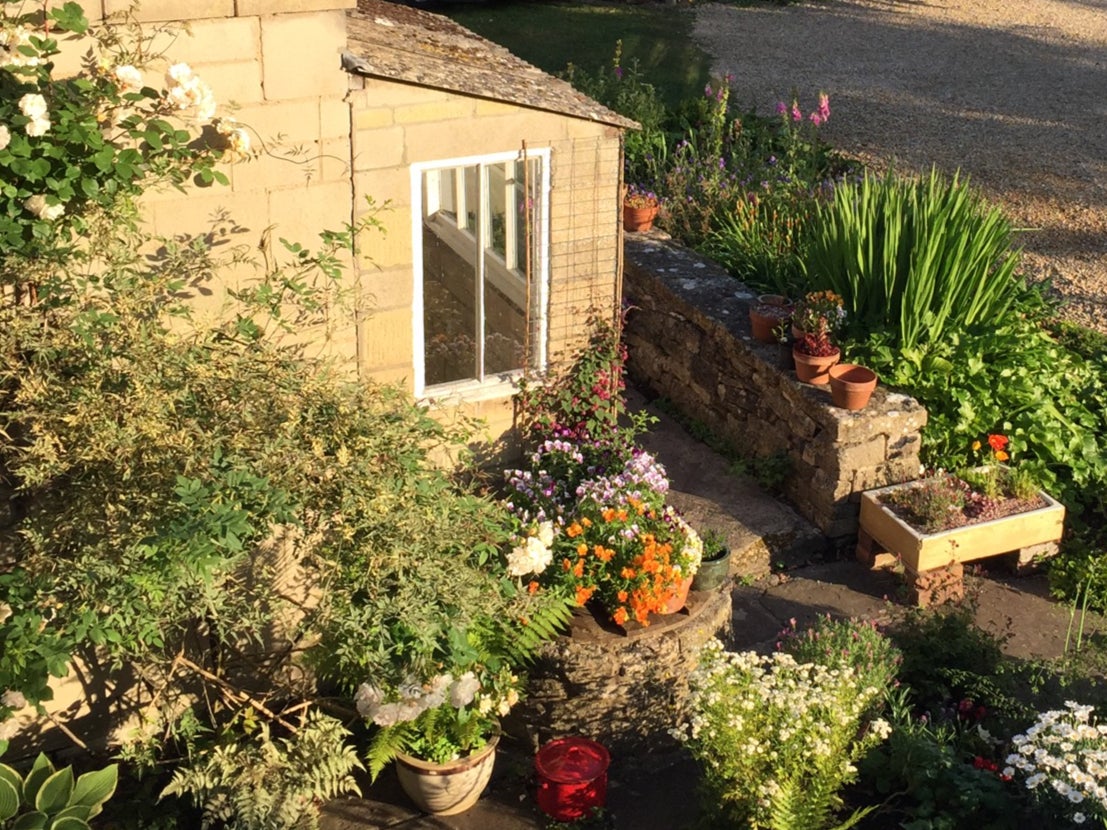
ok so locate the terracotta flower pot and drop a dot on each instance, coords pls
(637, 220)
(767, 314)
(814, 368)
(679, 599)
(447, 789)
(851, 385)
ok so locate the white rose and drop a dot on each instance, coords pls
(5, 136)
(178, 73)
(5, 611)
(38, 127)
(13, 699)
(33, 106)
(128, 78)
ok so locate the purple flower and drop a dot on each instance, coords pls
(619, 73)
(781, 108)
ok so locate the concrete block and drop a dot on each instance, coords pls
(393, 247)
(435, 112)
(374, 118)
(219, 40)
(301, 213)
(165, 10)
(387, 342)
(334, 118)
(233, 84)
(260, 7)
(301, 55)
(383, 148)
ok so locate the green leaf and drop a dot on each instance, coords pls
(53, 796)
(9, 799)
(41, 770)
(69, 823)
(94, 788)
(31, 821)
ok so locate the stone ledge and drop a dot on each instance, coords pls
(689, 340)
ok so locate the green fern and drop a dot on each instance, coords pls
(258, 783)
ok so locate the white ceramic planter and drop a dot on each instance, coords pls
(447, 789)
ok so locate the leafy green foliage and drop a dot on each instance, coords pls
(914, 258)
(262, 783)
(51, 799)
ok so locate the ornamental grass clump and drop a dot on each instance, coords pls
(778, 739)
(1062, 761)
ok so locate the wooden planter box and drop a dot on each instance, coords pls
(933, 561)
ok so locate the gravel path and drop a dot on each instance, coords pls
(1012, 92)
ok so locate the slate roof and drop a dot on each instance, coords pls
(400, 43)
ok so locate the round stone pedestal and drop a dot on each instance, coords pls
(623, 688)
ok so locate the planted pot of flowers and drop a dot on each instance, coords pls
(442, 733)
(766, 315)
(640, 207)
(945, 518)
(851, 385)
(715, 567)
(817, 316)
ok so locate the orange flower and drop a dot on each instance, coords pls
(975, 446)
(574, 530)
(1001, 455)
(566, 565)
(582, 549)
(604, 554)
(997, 442)
(608, 514)
(532, 587)
(620, 615)
(628, 573)
(578, 569)
(622, 596)
(586, 521)
(584, 594)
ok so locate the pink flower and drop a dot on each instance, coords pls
(824, 107)
(797, 114)
(816, 119)
(781, 108)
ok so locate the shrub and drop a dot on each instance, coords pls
(916, 259)
(778, 739)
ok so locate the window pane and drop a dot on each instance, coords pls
(449, 286)
(506, 295)
(497, 205)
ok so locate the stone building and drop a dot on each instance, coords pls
(502, 225)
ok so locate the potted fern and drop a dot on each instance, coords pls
(441, 733)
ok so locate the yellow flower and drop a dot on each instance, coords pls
(976, 446)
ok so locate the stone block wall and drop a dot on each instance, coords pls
(689, 340)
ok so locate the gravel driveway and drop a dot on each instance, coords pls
(1012, 92)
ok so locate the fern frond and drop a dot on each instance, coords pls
(386, 744)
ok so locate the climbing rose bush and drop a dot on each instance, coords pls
(72, 146)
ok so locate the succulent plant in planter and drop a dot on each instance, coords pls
(817, 317)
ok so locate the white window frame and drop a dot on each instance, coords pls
(502, 383)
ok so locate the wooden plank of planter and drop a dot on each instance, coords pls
(925, 551)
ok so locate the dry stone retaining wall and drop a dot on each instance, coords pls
(689, 339)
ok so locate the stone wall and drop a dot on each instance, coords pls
(625, 689)
(689, 340)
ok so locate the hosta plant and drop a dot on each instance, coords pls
(51, 799)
